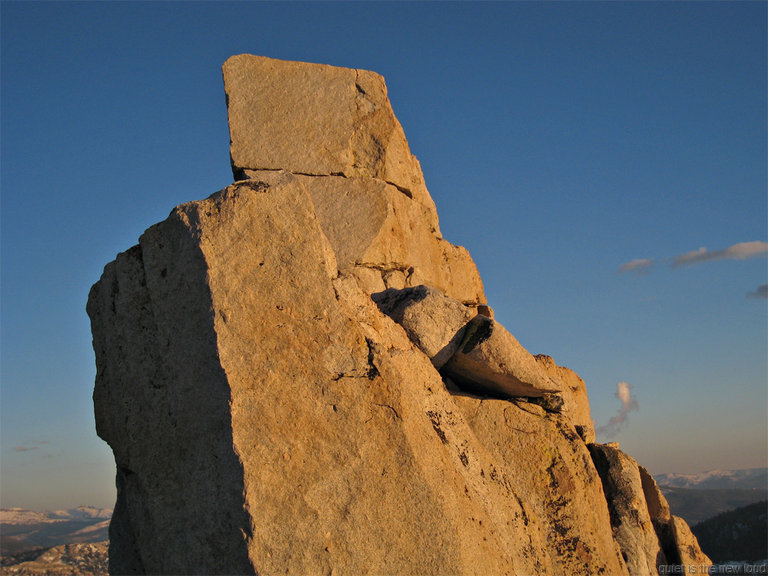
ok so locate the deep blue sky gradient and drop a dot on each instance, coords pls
(559, 141)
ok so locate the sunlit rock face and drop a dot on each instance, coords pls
(299, 375)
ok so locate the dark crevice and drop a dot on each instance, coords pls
(237, 173)
(395, 412)
(391, 267)
(405, 191)
(255, 185)
(372, 370)
(241, 174)
(463, 387)
(477, 331)
(434, 417)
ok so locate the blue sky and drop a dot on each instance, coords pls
(560, 141)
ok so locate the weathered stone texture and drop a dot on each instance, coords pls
(542, 458)
(370, 224)
(316, 119)
(316, 431)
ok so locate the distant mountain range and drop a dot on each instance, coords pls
(695, 506)
(26, 535)
(696, 497)
(25, 531)
(726, 510)
(748, 479)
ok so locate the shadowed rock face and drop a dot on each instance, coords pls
(267, 371)
(630, 518)
(647, 534)
(162, 402)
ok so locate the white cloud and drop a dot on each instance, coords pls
(639, 266)
(740, 251)
(624, 394)
(628, 404)
(761, 292)
(32, 445)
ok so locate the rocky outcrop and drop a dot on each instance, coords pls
(688, 547)
(679, 544)
(647, 534)
(299, 375)
(630, 519)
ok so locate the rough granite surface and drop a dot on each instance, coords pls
(268, 417)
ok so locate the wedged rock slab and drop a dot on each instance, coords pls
(473, 350)
(491, 359)
(432, 320)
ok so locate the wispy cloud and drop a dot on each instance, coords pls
(761, 292)
(740, 251)
(638, 266)
(628, 404)
(32, 445)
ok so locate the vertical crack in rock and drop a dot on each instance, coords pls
(161, 391)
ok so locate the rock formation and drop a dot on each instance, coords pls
(299, 375)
